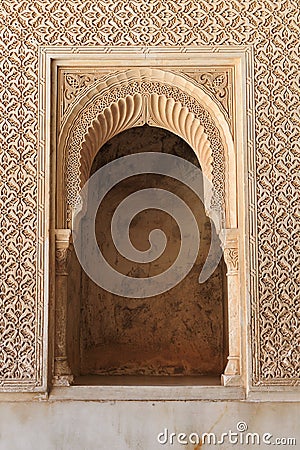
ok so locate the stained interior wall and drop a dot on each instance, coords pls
(73, 313)
(180, 332)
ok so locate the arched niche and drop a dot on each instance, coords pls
(164, 99)
(181, 332)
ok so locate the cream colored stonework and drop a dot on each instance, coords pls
(269, 151)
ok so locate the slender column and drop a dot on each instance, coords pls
(232, 373)
(62, 372)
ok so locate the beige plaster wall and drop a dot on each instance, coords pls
(136, 425)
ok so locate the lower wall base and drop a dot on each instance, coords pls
(136, 425)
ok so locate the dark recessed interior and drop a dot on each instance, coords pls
(181, 332)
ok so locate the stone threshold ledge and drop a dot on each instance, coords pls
(147, 388)
(175, 392)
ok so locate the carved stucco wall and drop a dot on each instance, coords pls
(272, 28)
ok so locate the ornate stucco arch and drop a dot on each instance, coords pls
(177, 103)
(160, 98)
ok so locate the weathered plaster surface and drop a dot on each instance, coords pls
(135, 425)
(180, 332)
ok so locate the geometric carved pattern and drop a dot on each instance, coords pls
(74, 84)
(272, 28)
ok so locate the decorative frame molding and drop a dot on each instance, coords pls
(169, 100)
(54, 58)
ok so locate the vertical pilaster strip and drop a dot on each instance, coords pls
(232, 373)
(62, 372)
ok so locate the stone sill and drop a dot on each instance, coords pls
(118, 388)
(171, 390)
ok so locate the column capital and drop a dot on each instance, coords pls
(62, 250)
(230, 238)
(62, 237)
(230, 245)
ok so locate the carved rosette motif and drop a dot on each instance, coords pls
(272, 28)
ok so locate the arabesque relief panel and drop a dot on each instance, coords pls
(272, 29)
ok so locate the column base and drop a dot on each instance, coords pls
(62, 380)
(63, 374)
(232, 374)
